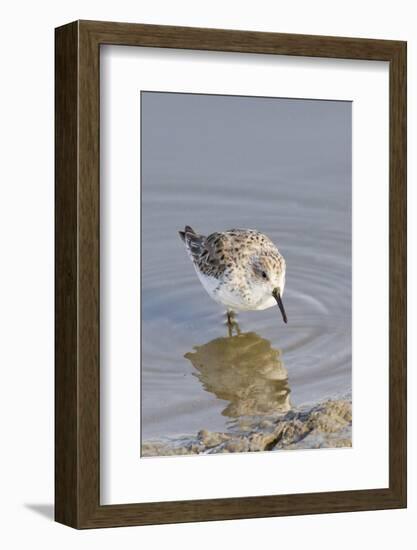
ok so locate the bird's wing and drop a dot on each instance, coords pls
(206, 252)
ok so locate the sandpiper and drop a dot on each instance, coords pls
(239, 268)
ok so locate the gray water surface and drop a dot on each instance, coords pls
(277, 165)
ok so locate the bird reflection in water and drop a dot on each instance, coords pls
(245, 371)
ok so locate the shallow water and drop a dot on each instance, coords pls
(282, 167)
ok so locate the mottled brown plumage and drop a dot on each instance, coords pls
(241, 268)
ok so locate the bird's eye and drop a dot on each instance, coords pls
(264, 275)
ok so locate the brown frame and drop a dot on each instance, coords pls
(77, 274)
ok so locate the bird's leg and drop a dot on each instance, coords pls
(229, 316)
(232, 323)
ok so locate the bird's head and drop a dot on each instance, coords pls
(267, 276)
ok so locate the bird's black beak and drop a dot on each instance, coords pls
(276, 294)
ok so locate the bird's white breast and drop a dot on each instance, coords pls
(223, 293)
(267, 302)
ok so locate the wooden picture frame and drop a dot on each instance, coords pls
(77, 371)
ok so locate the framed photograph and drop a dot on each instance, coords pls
(230, 274)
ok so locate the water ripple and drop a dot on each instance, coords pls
(181, 395)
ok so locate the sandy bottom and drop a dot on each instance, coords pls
(324, 425)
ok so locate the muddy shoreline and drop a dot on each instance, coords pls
(324, 425)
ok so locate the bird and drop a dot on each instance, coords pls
(241, 269)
